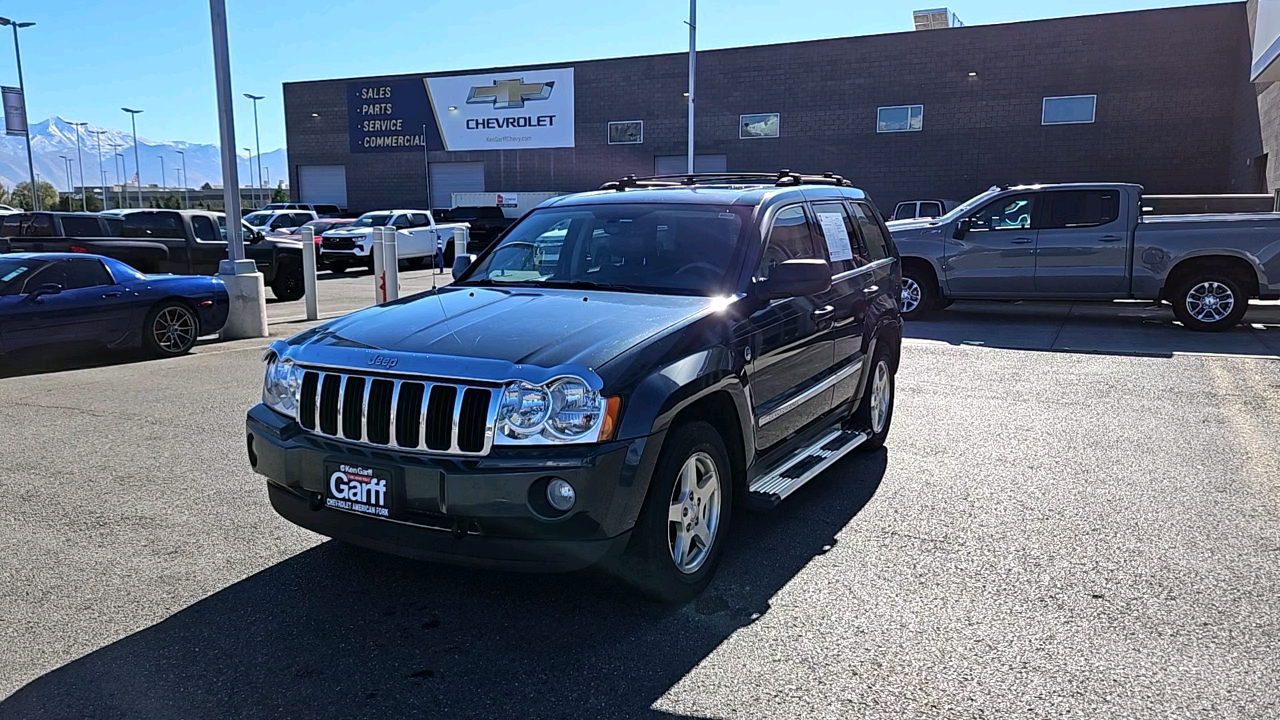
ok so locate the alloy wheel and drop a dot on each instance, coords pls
(881, 397)
(174, 329)
(910, 294)
(694, 517)
(1210, 301)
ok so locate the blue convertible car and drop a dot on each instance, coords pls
(63, 298)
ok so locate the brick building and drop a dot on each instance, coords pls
(1158, 97)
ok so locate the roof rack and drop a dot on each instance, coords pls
(783, 178)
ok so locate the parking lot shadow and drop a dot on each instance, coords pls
(339, 632)
(1127, 328)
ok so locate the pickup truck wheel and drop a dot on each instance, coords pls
(1210, 302)
(875, 414)
(171, 329)
(919, 294)
(416, 262)
(288, 285)
(680, 534)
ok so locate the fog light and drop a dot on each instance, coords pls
(560, 495)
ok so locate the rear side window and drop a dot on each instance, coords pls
(904, 211)
(877, 243)
(843, 246)
(114, 226)
(40, 226)
(1082, 209)
(12, 226)
(204, 230)
(789, 239)
(81, 227)
(930, 209)
(152, 225)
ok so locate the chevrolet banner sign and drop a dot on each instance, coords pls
(502, 111)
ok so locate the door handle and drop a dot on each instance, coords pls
(1022, 241)
(871, 290)
(823, 311)
(112, 294)
(1110, 238)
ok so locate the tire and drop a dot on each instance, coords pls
(875, 413)
(288, 285)
(171, 329)
(416, 263)
(919, 293)
(1209, 301)
(649, 564)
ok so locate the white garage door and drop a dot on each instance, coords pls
(677, 164)
(448, 178)
(325, 184)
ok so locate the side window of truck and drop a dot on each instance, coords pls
(877, 242)
(153, 225)
(40, 226)
(13, 225)
(81, 227)
(1082, 209)
(1012, 212)
(203, 228)
(789, 239)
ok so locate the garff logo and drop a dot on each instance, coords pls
(509, 94)
(383, 361)
(359, 488)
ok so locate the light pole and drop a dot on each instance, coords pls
(22, 90)
(164, 179)
(123, 198)
(66, 165)
(102, 175)
(256, 141)
(186, 182)
(253, 191)
(693, 58)
(84, 198)
(137, 165)
(266, 184)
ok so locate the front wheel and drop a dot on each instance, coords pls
(875, 414)
(1210, 302)
(680, 534)
(171, 329)
(919, 293)
(288, 285)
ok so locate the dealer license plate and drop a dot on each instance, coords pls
(359, 489)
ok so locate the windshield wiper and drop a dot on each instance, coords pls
(591, 285)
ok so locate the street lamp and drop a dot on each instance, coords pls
(102, 175)
(256, 141)
(122, 199)
(84, 198)
(693, 59)
(253, 191)
(22, 90)
(66, 165)
(137, 166)
(163, 178)
(186, 182)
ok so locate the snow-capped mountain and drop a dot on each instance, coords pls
(56, 136)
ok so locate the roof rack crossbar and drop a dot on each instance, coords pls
(782, 178)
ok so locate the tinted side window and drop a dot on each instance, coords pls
(204, 229)
(930, 210)
(152, 225)
(1008, 213)
(789, 239)
(418, 219)
(877, 243)
(40, 226)
(904, 211)
(844, 249)
(85, 274)
(1083, 208)
(79, 227)
(13, 225)
(114, 226)
(300, 219)
(400, 221)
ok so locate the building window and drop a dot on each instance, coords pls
(626, 132)
(760, 125)
(1068, 110)
(900, 118)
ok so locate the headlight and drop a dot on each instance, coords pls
(563, 410)
(281, 384)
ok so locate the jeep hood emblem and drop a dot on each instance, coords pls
(383, 361)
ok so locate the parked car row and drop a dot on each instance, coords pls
(418, 237)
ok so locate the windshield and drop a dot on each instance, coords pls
(677, 249)
(963, 208)
(258, 218)
(13, 272)
(371, 220)
(245, 229)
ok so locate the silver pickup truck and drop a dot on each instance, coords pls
(1089, 242)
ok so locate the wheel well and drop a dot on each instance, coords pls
(718, 410)
(891, 337)
(1237, 269)
(925, 267)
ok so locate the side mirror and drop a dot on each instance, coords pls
(797, 278)
(46, 289)
(962, 229)
(461, 263)
(256, 236)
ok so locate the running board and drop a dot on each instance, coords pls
(802, 466)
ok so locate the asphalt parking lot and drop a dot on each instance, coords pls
(1077, 515)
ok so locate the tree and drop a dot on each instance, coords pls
(206, 186)
(71, 203)
(280, 194)
(4, 195)
(21, 195)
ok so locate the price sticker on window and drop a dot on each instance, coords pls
(837, 236)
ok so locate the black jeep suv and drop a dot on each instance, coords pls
(607, 385)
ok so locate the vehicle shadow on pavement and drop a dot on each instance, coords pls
(337, 631)
(1129, 329)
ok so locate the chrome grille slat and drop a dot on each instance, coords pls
(424, 412)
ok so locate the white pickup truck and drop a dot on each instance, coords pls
(417, 237)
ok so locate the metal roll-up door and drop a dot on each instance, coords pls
(448, 178)
(323, 184)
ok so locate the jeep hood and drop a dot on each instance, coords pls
(546, 328)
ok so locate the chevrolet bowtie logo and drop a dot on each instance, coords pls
(508, 94)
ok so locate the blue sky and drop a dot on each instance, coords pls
(84, 60)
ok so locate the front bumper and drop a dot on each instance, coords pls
(469, 511)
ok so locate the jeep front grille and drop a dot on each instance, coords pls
(439, 417)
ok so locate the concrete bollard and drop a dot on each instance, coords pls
(379, 275)
(391, 263)
(309, 272)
